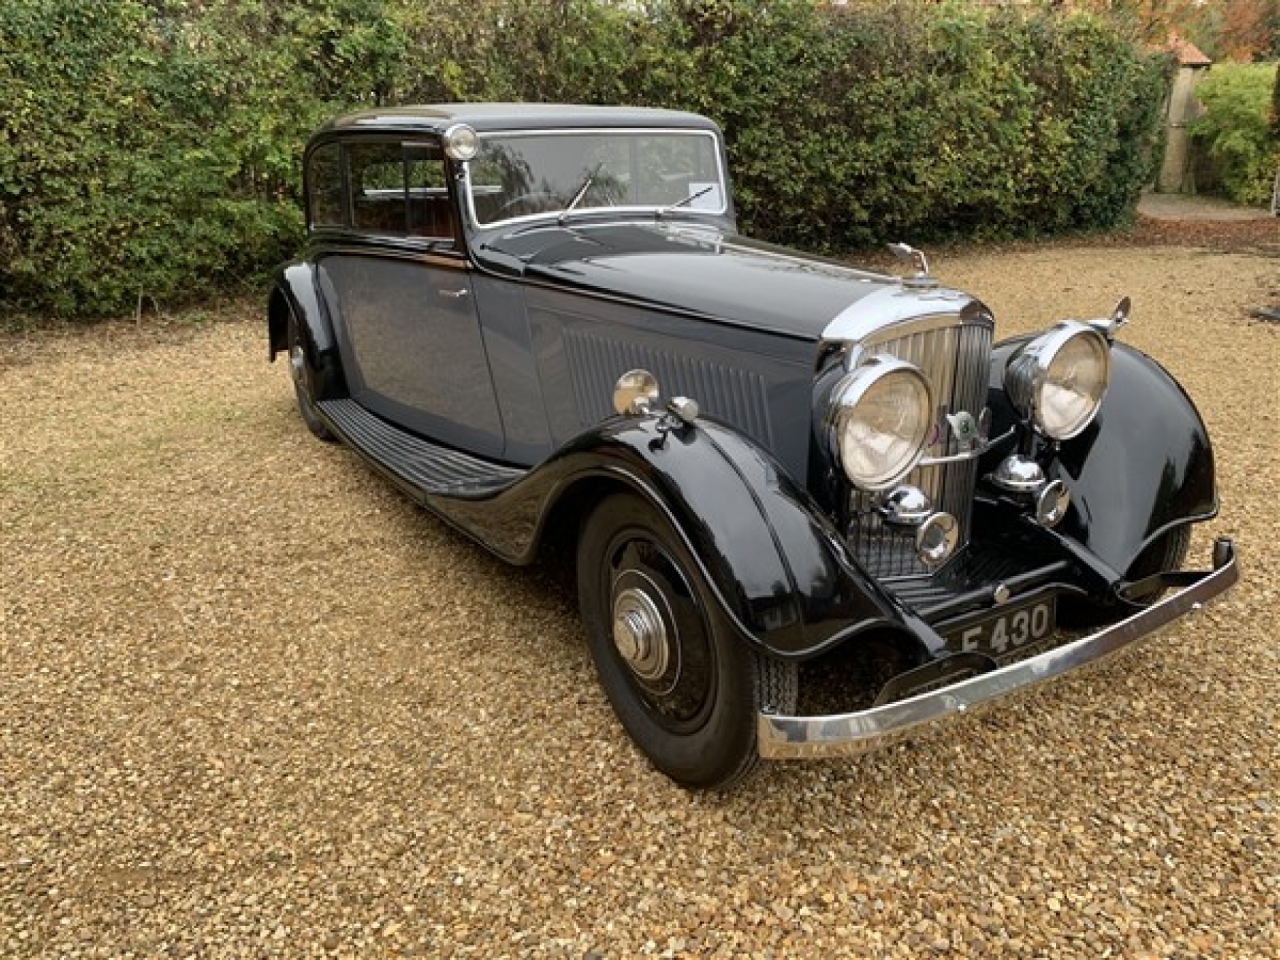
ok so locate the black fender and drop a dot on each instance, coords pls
(777, 566)
(295, 292)
(1143, 467)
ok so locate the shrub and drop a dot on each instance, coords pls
(150, 148)
(851, 126)
(1235, 129)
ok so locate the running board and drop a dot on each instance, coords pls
(424, 466)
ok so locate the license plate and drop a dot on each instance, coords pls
(1007, 630)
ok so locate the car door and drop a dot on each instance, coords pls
(401, 293)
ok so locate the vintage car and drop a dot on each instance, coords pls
(811, 509)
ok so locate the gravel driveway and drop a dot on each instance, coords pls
(254, 704)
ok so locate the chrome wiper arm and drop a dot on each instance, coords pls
(582, 192)
(687, 200)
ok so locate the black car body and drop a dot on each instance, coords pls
(540, 322)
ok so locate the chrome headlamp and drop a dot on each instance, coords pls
(1058, 379)
(461, 142)
(879, 420)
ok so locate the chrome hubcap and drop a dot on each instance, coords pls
(297, 362)
(640, 634)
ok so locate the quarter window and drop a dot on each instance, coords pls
(324, 186)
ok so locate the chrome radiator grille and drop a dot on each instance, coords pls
(955, 357)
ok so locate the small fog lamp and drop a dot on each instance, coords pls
(1018, 474)
(906, 506)
(937, 538)
(1052, 503)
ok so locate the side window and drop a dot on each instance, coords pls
(377, 187)
(400, 190)
(430, 212)
(324, 186)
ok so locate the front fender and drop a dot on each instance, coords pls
(1143, 467)
(777, 566)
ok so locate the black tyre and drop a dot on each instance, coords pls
(1168, 552)
(301, 388)
(685, 688)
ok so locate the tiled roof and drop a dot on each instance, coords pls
(1189, 55)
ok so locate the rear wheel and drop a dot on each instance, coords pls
(686, 689)
(301, 388)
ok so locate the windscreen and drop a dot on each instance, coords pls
(519, 175)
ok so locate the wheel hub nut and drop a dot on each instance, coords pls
(640, 634)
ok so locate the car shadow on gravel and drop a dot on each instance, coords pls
(547, 583)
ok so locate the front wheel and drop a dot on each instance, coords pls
(1167, 553)
(686, 689)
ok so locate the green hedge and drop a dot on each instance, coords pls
(1235, 131)
(149, 148)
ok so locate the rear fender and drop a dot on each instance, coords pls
(295, 294)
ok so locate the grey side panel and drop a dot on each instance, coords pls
(412, 348)
(730, 393)
(753, 380)
(509, 344)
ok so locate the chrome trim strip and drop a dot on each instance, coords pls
(853, 734)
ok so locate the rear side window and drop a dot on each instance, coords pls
(324, 186)
(390, 188)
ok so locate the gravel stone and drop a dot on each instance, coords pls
(255, 704)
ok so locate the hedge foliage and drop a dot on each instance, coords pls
(1236, 130)
(150, 148)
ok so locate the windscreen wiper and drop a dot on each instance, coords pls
(582, 192)
(687, 200)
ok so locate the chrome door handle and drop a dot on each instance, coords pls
(454, 294)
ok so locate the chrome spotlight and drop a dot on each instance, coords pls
(1018, 474)
(635, 392)
(906, 506)
(461, 142)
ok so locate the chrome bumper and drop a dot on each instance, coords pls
(851, 734)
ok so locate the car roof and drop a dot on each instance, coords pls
(483, 117)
